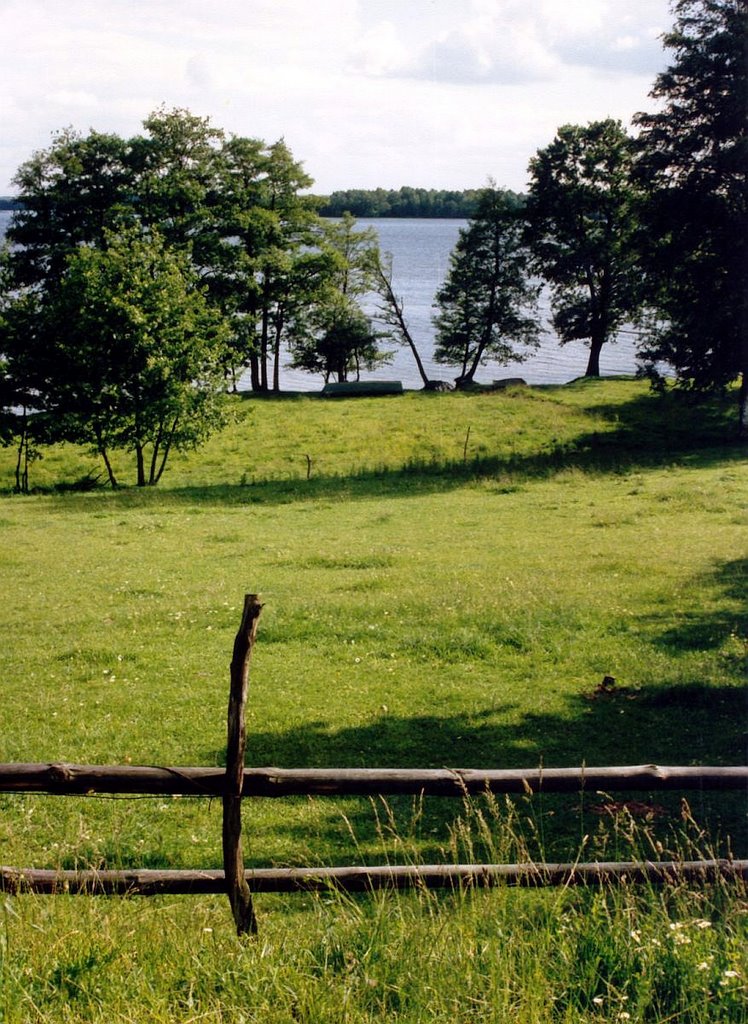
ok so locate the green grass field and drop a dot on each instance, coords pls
(447, 579)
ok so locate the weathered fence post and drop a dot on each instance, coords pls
(237, 889)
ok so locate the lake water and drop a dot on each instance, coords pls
(420, 250)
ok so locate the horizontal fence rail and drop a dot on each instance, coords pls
(235, 782)
(149, 882)
(67, 779)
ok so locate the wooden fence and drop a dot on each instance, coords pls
(236, 782)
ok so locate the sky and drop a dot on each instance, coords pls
(366, 93)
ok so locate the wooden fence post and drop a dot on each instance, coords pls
(237, 889)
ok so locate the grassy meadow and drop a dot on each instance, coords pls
(447, 579)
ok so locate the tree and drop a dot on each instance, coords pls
(693, 163)
(123, 353)
(232, 206)
(288, 222)
(581, 215)
(18, 423)
(486, 305)
(331, 334)
(232, 248)
(83, 186)
(391, 312)
(76, 197)
(336, 339)
(175, 170)
(70, 195)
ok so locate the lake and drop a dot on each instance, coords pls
(420, 249)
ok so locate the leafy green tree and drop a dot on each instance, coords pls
(331, 334)
(288, 223)
(337, 340)
(175, 167)
(486, 306)
(582, 219)
(233, 245)
(354, 252)
(234, 206)
(71, 194)
(83, 186)
(124, 353)
(693, 163)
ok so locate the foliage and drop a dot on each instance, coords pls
(403, 202)
(227, 211)
(336, 339)
(125, 353)
(330, 334)
(288, 227)
(71, 194)
(631, 954)
(487, 301)
(692, 160)
(581, 216)
(234, 206)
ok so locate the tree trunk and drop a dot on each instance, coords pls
(254, 372)
(103, 453)
(468, 377)
(154, 453)
(276, 355)
(264, 334)
(397, 317)
(165, 449)
(593, 363)
(22, 474)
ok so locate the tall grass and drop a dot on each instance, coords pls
(423, 607)
(635, 953)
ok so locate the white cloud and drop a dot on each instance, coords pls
(366, 92)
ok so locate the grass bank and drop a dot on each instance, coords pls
(433, 597)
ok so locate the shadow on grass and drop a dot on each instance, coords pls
(649, 431)
(691, 723)
(712, 628)
(688, 723)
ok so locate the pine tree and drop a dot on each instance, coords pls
(693, 162)
(486, 306)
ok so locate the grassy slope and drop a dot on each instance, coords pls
(419, 610)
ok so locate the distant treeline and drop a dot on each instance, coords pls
(401, 202)
(379, 202)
